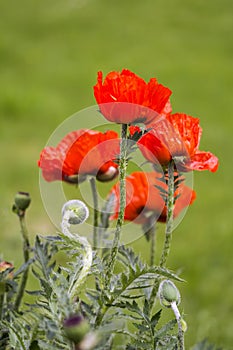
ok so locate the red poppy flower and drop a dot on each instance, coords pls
(126, 98)
(81, 153)
(143, 199)
(177, 137)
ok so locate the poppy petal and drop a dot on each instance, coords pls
(124, 97)
(204, 161)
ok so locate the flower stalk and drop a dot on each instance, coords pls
(169, 220)
(95, 212)
(180, 327)
(2, 292)
(26, 250)
(75, 212)
(120, 220)
(153, 245)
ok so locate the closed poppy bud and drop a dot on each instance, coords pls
(110, 174)
(168, 293)
(76, 328)
(22, 200)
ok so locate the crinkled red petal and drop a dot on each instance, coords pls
(189, 130)
(204, 161)
(129, 88)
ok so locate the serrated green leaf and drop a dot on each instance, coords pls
(33, 292)
(46, 287)
(141, 327)
(155, 318)
(146, 309)
(161, 190)
(23, 267)
(166, 329)
(137, 296)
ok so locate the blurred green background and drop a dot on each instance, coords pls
(50, 52)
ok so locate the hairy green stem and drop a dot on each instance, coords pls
(115, 246)
(180, 329)
(80, 276)
(120, 220)
(95, 212)
(152, 247)
(169, 221)
(168, 231)
(26, 250)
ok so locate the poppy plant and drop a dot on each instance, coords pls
(143, 198)
(177, 137)
(81, 153)
(126, 98)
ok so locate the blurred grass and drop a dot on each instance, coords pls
(50, 52)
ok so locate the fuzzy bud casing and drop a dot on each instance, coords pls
(76, 212)
(168, 293)
(76, 328)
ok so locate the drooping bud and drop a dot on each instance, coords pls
(76, 328)
(22, 200)
(75, 179)
(168, 293)
(110, 174)
(75, 211)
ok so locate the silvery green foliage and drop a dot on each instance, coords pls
(75, 212)
(122, 309)
(71, 280)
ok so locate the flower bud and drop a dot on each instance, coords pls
(168, 293)
(22, 200)
(75, 211)
(110, 174)
(76, 328)
(75, 179)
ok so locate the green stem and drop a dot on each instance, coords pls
(115, 246)
(169, 221)
(152, 263)
(120, 220)
(26, 250)
(2, 291)
(168, 231)
(180, 330)
(95, 212)
(152, 247)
